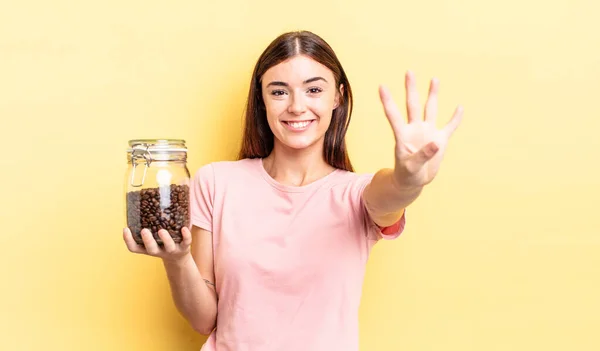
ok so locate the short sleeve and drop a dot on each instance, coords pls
(202, 194)
(373, 231)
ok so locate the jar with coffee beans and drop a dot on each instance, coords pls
(157, 187)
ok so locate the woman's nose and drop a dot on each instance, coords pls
(297, 104)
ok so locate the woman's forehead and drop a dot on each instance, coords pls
(297, 70)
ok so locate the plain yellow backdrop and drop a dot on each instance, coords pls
(501, 252)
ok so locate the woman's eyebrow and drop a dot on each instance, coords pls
(314, 79)
(284, 84)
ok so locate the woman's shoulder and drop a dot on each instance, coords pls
(226, 167)
(344, 177)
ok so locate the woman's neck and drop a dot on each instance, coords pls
(296, 167)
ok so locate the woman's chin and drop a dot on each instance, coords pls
(301, 143)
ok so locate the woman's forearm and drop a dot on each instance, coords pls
(193, 297)
(385, 199)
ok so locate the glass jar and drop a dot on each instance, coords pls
(158, 187)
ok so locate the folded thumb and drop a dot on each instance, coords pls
(426, 153)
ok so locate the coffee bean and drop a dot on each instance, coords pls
(144, 210)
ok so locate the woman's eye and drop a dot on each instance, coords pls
(277, 92)
(315, 90)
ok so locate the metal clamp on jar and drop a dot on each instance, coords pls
(157, 191)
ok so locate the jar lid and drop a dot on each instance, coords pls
(157, 149)
(166, 145)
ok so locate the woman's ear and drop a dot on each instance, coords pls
(338, 96)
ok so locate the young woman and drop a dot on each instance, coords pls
(280, 237)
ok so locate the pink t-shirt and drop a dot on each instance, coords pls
(289, 261)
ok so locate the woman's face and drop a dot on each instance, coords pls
(300, 95)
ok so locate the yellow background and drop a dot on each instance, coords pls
(501, 252)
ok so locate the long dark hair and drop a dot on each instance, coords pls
(258, 139)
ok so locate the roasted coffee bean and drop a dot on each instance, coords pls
(166, 207)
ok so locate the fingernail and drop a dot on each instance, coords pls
(431, 150)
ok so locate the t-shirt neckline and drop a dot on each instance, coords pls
(290, 188)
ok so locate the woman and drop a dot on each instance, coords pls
(282, 235)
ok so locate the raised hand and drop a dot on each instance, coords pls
(420, 146)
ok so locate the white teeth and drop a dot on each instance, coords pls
(299, 124)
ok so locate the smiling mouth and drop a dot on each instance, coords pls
(298, 125)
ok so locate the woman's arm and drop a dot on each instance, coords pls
(191, 279)
(385, 200)
(190, 270)
(419, 150)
